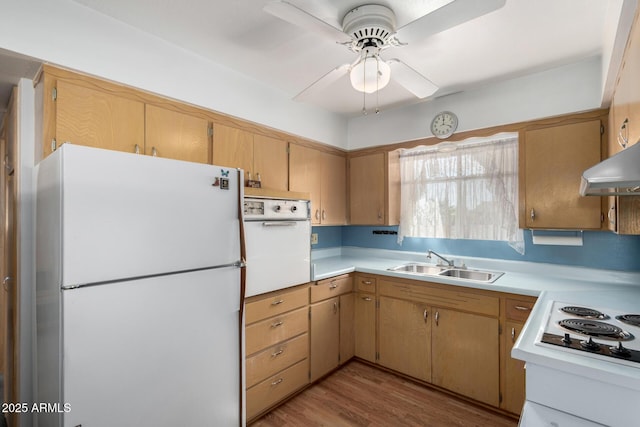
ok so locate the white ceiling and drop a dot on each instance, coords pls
(524, 36)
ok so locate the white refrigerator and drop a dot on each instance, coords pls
(138, 291)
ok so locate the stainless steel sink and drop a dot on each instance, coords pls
(419, 268)
(444, 270)
(476, 275)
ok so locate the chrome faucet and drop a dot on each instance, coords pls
(449, 263)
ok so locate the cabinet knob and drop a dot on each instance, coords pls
(154, 152)
(437, 316)
(533, 214)
(136, 149)
(513, 334)
(317, 214)
(425, 314)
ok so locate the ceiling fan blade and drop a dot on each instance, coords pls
(323, 82)
(296, 16)
(410, 79)
(447, 16)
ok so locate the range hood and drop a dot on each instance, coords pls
(619, 175)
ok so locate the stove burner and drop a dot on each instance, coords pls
(595, 329)
(630, 319)
(588, 313)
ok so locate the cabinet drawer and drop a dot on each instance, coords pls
(275, 388)
(365, 283)
(274, 359)
(262, 334)
(519, 309)
(330, 288)
(276, 303)
(454, 298)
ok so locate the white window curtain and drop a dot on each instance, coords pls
(466, 190)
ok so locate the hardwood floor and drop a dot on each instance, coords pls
(361, 395)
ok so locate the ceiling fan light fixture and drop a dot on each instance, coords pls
(370, 74)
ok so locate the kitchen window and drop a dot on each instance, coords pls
(464, 190)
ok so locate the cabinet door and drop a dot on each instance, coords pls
(347, 330)
(555, 158)
(270, 160)
(405, 337)
(98, 119)
(233, 147)
(304, 175)
(365, 326)
(333, 190)
(366, 189)
(465, 354)
(176, 135)
(514, 372)
(325, 337)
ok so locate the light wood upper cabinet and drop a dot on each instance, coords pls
(623, 213)
(374, 189)
(323, 176)
(551, 164)
(255, 154)
(270, 161)
(176, 135)
(95, 118)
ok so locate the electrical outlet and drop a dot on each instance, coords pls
(314, 238)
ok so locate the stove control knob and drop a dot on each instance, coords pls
(590, 345)
(294, 208)
(567, 339)
(277, 208)
(620, 350)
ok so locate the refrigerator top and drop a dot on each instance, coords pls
(105, 215)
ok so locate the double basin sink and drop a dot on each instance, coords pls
(447, 271)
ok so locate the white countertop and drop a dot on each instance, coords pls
(549, 282)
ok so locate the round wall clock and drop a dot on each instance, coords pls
(444, 124)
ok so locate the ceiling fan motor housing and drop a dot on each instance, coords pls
(370, 25)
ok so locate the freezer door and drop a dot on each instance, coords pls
(123, 215)
(153, 352)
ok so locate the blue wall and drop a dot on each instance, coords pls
(600, 249)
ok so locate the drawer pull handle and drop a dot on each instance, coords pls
(278, 302)
(367, 282)
(522, 308)
(366, 298)
(333, 286)
(437, 317)
(425, 314)
(513, 334)
(275, 325)
(277, 353)
(276, 382)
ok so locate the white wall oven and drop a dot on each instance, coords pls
(278, 244)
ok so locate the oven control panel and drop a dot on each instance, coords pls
(261, 209)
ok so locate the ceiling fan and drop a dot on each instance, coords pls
(369, 30)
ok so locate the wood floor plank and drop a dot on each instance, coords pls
(362, 395)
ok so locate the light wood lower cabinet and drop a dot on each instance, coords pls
(465, 351)
(405, 337)
(365, 318)
(276, 347)
(331, 325)
(517, 309)
(446, 335)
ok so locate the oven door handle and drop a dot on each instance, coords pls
(280, 224)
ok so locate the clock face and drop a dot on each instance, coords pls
(444, 124)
